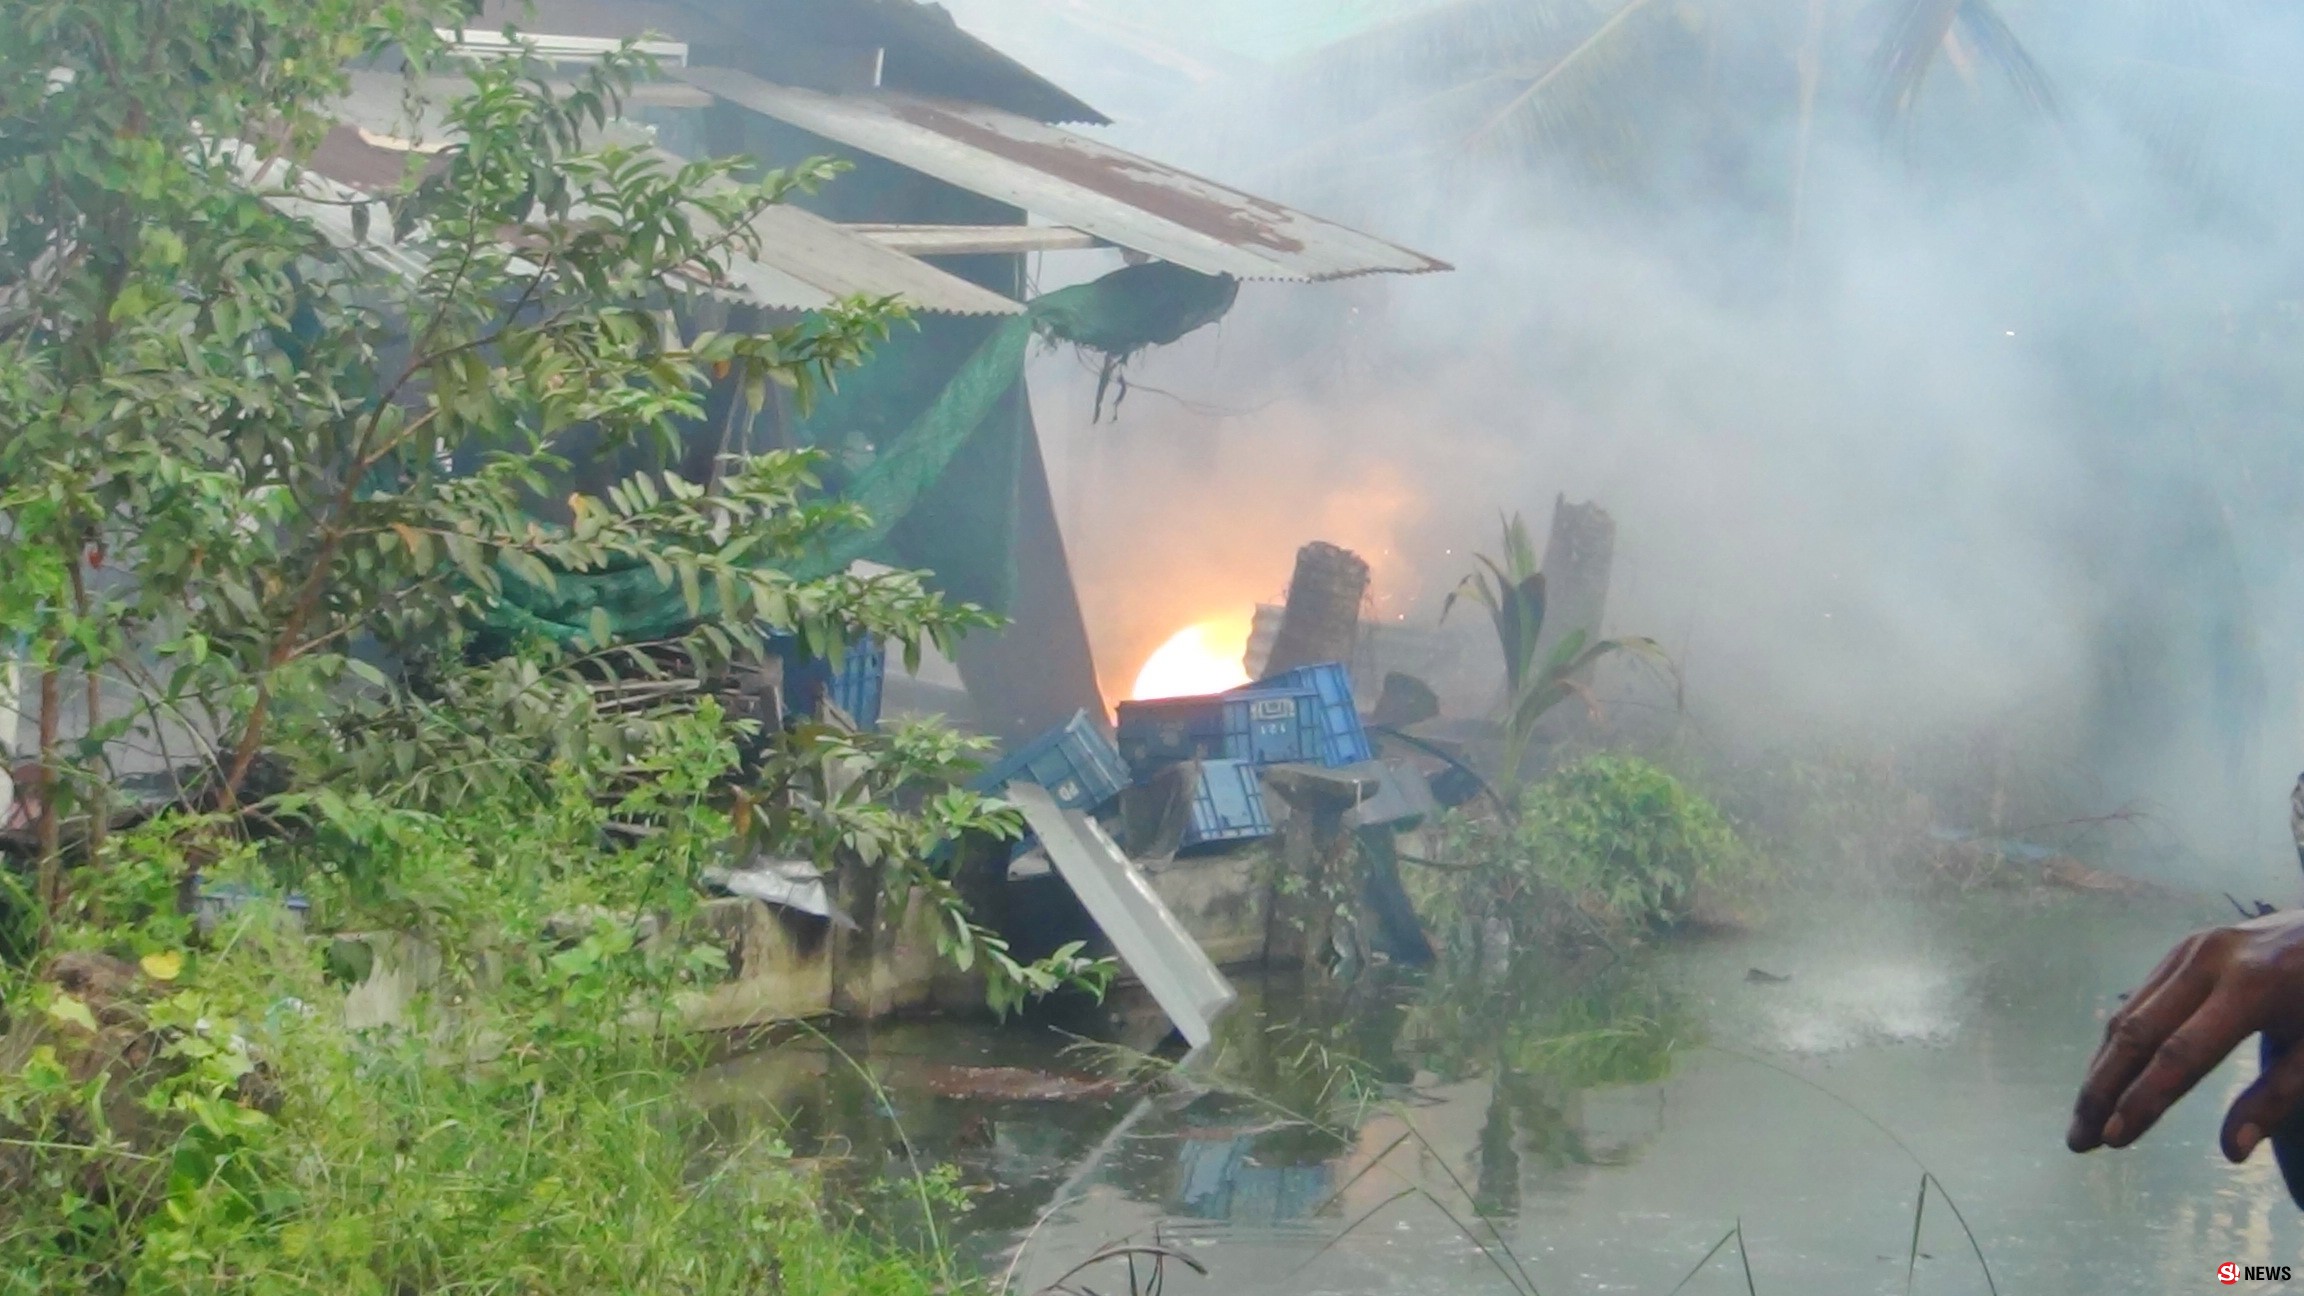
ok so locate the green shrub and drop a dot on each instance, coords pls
(1613, 839)
(1624, 838)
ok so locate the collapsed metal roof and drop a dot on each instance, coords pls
(1076, 181)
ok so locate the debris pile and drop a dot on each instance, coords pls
(1283, 773)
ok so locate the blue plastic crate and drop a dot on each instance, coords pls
(1227, 805)
(1343, 740)
(854, 687)
(1075, 762)
(1261, 726)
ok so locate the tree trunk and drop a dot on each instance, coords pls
(51, 877)
(1322, 620)
(1577, 562)
(854, 952)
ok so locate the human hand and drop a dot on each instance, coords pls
(2213, 991)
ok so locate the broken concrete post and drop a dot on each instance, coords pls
(1317, 848)
(1577, 562)
(1322, 619)
(855, 949)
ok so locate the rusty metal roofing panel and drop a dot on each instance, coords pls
(1073, 180)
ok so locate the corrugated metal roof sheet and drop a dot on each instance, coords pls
(804, 262)
(1075, 181)
(319, 194)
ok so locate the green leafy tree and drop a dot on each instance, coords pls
(231, 437)
(270, 451)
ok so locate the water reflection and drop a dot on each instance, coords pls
(1249, 1178)
(1608, 1120)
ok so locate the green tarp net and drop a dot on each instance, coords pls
(939, 494)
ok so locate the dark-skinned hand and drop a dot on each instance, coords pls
(2213, 991)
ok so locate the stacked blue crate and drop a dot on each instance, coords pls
(1227, 805)
(1075, 762)
(1343, 740)
(1274, 726)
(855, 687)
(1303, 716)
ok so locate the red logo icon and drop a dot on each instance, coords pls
(2228, 1273)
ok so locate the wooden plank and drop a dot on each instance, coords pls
(1154, 944)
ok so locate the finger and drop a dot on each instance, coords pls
(2169, 965)
(2128, 1042)
(2133, 1035)
(2231, 1014)
(2264, 1105)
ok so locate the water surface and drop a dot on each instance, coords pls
(1947, 1037)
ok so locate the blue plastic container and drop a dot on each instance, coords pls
(854, 687)
(219, 900)
(1261, 726)
(1227, 805)
(1075, 762)
(1343, 740)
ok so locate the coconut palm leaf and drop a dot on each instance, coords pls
(1476, 78)
(1569, 97)
(1916, 38)
(1909, 51)
(1449, 45)
(1990, 34)
(2225, 137)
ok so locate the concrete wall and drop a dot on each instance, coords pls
(780, 969)
(1225, 902)
(780, 965)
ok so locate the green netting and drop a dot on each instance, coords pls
(952, 455)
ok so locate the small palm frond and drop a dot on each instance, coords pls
(1563, 676)
(1512, 591)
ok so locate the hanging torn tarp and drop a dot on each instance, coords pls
(1116, 317)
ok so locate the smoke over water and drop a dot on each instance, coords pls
(1978, 422)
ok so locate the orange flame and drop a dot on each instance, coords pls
(1202, 658)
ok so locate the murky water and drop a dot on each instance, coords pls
(1947, 1040)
